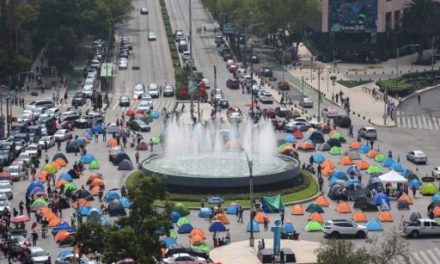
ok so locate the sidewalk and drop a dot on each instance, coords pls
(362, 104)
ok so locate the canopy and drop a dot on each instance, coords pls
(272, 204)
(374, 225)
(313, 226)
(314, 208)
(343, 207)
(392, 177)
(94, 165)
(297, 209)
(428, 188)
(182, 209)
(255, 227)
(359, 217)
(217, 226)
(318, 158)
(364, 148)
(335, 151)
(125, 165)
(321, 201)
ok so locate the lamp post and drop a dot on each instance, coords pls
(251, 197)
(302, 94)
(319, 95)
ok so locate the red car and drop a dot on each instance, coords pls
(269, 112)
(283, 85)
(233, 83)
(232, 68)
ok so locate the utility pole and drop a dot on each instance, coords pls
(191, 80)
(432, 60)
(385, 106)
(319, 95)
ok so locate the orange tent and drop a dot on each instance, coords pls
(55, 221)
(372, 153)
(306, 146)
(359, 216)
(197, 231)
(345, 160)
(259, 218)
(92, 177)
(405, 197)
(316, 217)
(436, 211)
(42, 176)
(321, 201)
(362, 165)
(385, 216)
(95, 190)
(49, 216)
(56, 165)
(81, 202)
(62, 235)
(60, 183)
(297, 209)
(354, 145)
(112, 142)
(195, 239)
(97, 182)
(43, 211)
(327, 164)
(326, 171)
(222, 218)
(61, 162)
(343, 207)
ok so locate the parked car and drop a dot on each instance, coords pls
(284, 85)
(49, 139)
(207, 83)
(39, 255)
(138, 125)
(138, 90)
(24, 157)
(168, 90)
(436, 173)
(144, 11)
(306, 102)
(144, 106)
(420, 227)
(269, 112)
(153, 90)
(368, 133)
(124, 101)
(6, 189)
(63, 134)
(184, 258)
(123, 63)
(152, 36)
(233, 83)
(79, 99)
(4, 204)
(342, 227)
(18, 172)
(417, 156)
(328, 112)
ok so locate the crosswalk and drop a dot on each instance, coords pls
(158, 104)
(429, 121)
(428, 256)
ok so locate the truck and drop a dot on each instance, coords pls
(420, 227)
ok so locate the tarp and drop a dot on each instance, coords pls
(66, 176)
(428, 188)
(205, 212)
(184, 229)
(359, 217)
(385, 216)
(316, 217)
(297, 209)
(314, 208)
(392, 177)
(125, 202)
(272, 204)
(94, 165)
(217, 226)
(374, 225)
(343, 208)
(313, 226)
(182, 209)
(321, 201)
(255, 227)
(232, 209)
(72, 147)
(125, 165)
(288, 228)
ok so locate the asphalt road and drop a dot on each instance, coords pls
(428, 103)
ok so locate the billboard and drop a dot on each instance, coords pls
(355, 16)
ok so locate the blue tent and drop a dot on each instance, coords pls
(87, 135)
(416, 183)
(364, 148)
(174, 217)
(86, 159)
(154, 114)
(103, 220)
(169, 242)
(63, 226)
(205, 212)
(353, 169)
(384, 205)
(378, 197)
(185, 229)
(338, 174)
(80, 141)
(289, 138)
(215, 200)
(66, 176)
(35, 183)
(351, 183)
(387, 163)
(318, 158)
(405, 173)
(111, 195)
(125, 202)
(84, 211)
(94, 213)
(374, 225)
(217, 226)
(37, 190)
(289, 228)
(255, 226)
(397, 167)
(98, 128)
(435, 197)
(232, 209)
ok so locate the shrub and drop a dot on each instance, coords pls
(396, 87)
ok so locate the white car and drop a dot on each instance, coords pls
(63, 134)
(95, 64)
(184, 258)
(24, 156)
(144, 11)
(33, 150)
(123, 63)
(341, 227)
(49, 139)
(138, 90)
(53, 112)
(151, 36)
(265, 97)
(436, 172)
(329, 112)
(39, 255)
(153, 90)
(144, 106)
(89, 80)
(5, 204)
(207, 83)
(88, 90)
(306, 102)
(6, 189)
(24, 118)
(417, 156)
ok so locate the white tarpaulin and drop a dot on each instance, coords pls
(392, 176)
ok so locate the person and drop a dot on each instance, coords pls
(419, 98)
(34, 237)
(96, 135)
(46, 159)
(266, 224)
(104, 134)
(21, 207)
(350, 131)
(240, 214)
(137, 157)
(320, 182)
(390, 154)
(414, 190)
(359, 178)
(124, 141)
(282, 217)
(151, 145)
(123, 191)
(14, 212)
(45, 146)
(371, 143)
(318, 170)
(311, 160)
(100, 195)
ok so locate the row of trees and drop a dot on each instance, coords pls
(136, 235)
(57, 23)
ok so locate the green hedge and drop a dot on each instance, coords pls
(396, 87)
(352, 83)
(170, 36)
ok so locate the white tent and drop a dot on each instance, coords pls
(393, 177)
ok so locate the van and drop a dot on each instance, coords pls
(183, 45)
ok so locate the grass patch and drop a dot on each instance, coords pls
(396, 87)
(352, 83)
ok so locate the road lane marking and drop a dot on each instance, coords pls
(425, 257)
(416, 258)
(431, 254)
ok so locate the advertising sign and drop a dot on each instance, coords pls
(352, 16)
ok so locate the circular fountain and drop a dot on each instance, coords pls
(216, 157)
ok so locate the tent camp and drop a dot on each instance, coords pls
(182, 221)
(217, 226)
(346, 160)
(272, 204)
(337, 192)
(316, 217)
(428, 188)
(402, 205)
(222, 218)
(313, 226)
(174, 217)
(405, 197)
(335, 150)
(297, 209)
(94, 165)
(59, 155)
(392, 177)
(364, 148)
(385, 216)
(314, 208)
(260, 217)
(374, 225)
(414, 216)
(353, 154)
(116, 209)
(87, 158)
(125, 165)
(288, 228)
(359, 217)
(343, 208)
(334, 142)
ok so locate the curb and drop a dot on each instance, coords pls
(418, 92)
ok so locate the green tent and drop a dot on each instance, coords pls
(284, 145)
(428, 188)
(38, 203)
(182, 221)
(380, 157)
(336, 135)
(94, 165)
(201, 247)
(69, 186)
(272, 204)
(155, 140)
(374, 169)
(173, 234)
(182, 209)
(335, 150)
(50, 168)
(313, 226)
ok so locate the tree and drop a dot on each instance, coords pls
(421, 19)
(391, 247)
(90, 237)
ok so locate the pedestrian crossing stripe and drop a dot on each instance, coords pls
(158, 104)
(428, 256)
(427, 121)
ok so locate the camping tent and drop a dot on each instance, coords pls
(397, 167)
(387, 163)
(182, 209)
(354, 145)
(318, 158)
(232, 209)
(405, 197)
(336, 192)
(359, 217)
(334, 142)
(217, 226)
(402, 205)
(324, 147)
(345, 160)
(63, 226)
(72, 147)
(374, 225)
(119, 158)
(435, 198)
(317, 137)
(335, 150)
(174, 217)
(378, 197)
(353, 154)
(182, 221)
(316, 217)
(428, 188)
(321, 201)
(111, 196)
(343, 207)
(184, 229)
(125, 165)
(259, 217)
(414, 216)
(205, 212)
(297, 209)
(222, 218)
(385, 216)
(392, 177)
(255, 227)
(380, 157)
(59, 155)
(94, 165)
(116, 209)
(364, 148)
(87, 158)
(288, 228)
(365, 204)
(327, 164)
(314, 208)
(313, 226)
(272, 204)
(372, 153)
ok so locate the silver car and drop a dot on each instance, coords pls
(417, 156)
(39, 255)
(6, 189)
(18, 172)
(341, 227)
(168, 90)
(124, 101)
(49, 139)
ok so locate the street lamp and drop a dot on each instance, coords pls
(251, 197)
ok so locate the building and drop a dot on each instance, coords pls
(360, 30)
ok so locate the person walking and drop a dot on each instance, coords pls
(318, 170)
(240, 214)
(96, 135)
(371, 143)
(104, 134)
(414, 190)
(21, 207)
(46, 159)
(34, 236)
(266, 223)
(320, 182)
(419, 98)
(137, 157)
(123, 191)
(311, 160)
(281, 216)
